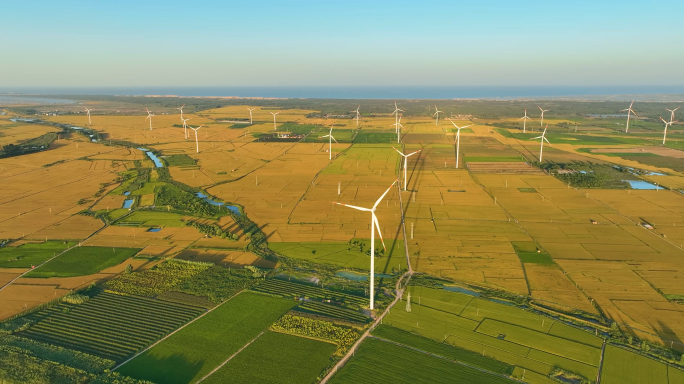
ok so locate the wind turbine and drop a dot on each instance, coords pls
(541, 124)
(458, 138)
(629, 113)
(399, 126)
(149, 116)
(331, 139)
(185, 127)
(181, 109)
(90, 123)
(250, 115)
(406, 163)
(542, 137)
(525, 118)
(357, 115)
(374, 225)
(666, 124)
(196, 140)
(396, 113)
(274, 120)
(437, 113)
(672, 112)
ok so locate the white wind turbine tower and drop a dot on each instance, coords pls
(541, 124)
(437, 111)
(181, 109)
(149, 116)
(88, 112)
(185, 126)
(666, 124)
(331, 139)
(458, 138)
(396, 114)
(406, 163)
(525, 118)
(399, 126)
(250, 115)
(357, 115)
(542, 137)
(374, 225)
(629, 114)
(274, 120)
(196, 140)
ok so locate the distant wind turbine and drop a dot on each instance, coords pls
(629, 114)
(374, 225)
(458, 138)
(666, 124)
(524, 119)
(541, 123)
(185, 126)
(196, 140)
(181, 109)
(542, 137)
(331, 139)
(250, 115)
(398, 126)
(88, 112)
(357, 115)
(437, 111)
(672, 113)
(396, 115)
(274, 120)
(406, 163)
(149, 116)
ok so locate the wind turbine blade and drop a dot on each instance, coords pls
(398, 151)
(334, 139)
(663, 120)
(376, 224)
(383, 195)
(353, 206)
(452, 122)
(467, 126)
(547, 140)
(535, 138)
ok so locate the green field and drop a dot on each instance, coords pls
(624, 367)
(27, 255)
(179, 160)
(333, 311)
(289, 289)
(82, 261)
(108, 325)
(382, 362)
(152, 219)
(492, 159)
(191, 353)
(445, 350)
(276, 358)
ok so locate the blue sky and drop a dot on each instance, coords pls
(270, 43)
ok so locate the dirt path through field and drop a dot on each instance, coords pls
(230, 358)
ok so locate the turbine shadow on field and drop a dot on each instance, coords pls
(668, 336)
(420, 168)
(177, 369)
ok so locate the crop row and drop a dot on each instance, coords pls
(334, 311)
(286, 288)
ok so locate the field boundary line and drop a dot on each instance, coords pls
(170, 334)
(444, 358)
(600, 367)
(230, 358)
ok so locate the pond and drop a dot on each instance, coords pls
(453, 288)
(154, 230)
(640, 184)
(128, 203)
(127, 193)
(206, 198)
(358, 276)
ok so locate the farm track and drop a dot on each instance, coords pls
(399, 292)
(230, 358)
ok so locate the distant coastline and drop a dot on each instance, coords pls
(592, 93)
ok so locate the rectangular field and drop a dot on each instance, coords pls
(291, 360)
(82, 261)
(380, 362)
(197, 349)
(26, 255)
(109, 326)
